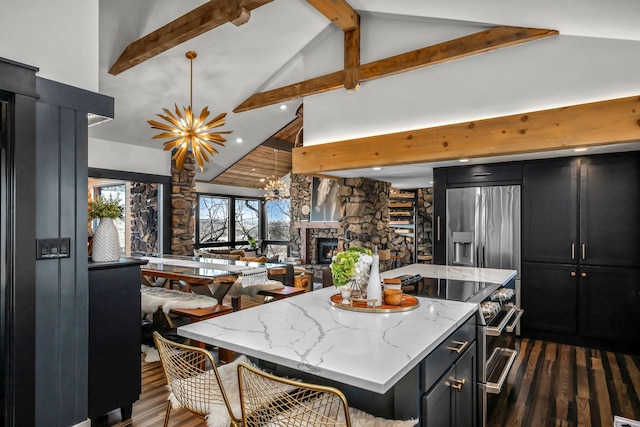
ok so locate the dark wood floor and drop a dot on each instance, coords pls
(549, 385)
(561, 385)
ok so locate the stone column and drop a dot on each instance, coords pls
(183, 205)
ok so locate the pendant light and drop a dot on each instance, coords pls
(186, 130)
(275, 187)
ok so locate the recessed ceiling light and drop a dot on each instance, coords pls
(377, 168)
(253, 169)
(463, 160)
(580, 149)
(283, 107)
(261, 179)
(239, 140)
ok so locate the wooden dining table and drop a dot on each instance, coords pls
(206, 276)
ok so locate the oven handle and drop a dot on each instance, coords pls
(496, 388)
(495, 331)
(512, 326)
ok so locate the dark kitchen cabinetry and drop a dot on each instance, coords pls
(452, 400)
(550, 211)
(114, 337)
(581, 246)
(550, 297)
(609, 301)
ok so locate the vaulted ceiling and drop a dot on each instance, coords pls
(249, 55)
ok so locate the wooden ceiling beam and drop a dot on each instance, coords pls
(483, 41)
(352, 58)
(210, 15)
(339, 12)
(606, 122)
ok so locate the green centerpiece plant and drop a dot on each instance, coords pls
(103, 207)
(351, 266)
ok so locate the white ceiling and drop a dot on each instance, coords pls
(235, 62)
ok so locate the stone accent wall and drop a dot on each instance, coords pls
(144, 217)
(364, 221)
(364, 213)
(183, 204)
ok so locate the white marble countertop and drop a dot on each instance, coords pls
(490, 275)
(367, 350)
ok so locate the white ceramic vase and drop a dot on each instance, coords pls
(106, 245)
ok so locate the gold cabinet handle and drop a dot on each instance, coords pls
(461, 346)
(573, 274)
(583, 274)
(458, 384)
(584, 251)
(573, 251)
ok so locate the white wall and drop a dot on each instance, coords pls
(553, 72)
(155, 161)
(59, 37)
(129, 158)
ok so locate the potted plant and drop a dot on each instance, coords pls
(350, 271)
(106, 245)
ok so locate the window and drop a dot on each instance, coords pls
(247, 222)
(213, 219)
(277, 233)
(230, 222)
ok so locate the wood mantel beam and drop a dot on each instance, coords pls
(210, 15)
(483, 41)
(339, 12)
(598, 123)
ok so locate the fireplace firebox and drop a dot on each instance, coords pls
(326, 249)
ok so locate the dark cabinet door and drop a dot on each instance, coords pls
(610, 300)
(609, 211)
(437, 403)
(549, 297)
(549, 211)
(114, 338)
(465, 397)
(452, 400)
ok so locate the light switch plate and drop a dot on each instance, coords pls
(53, 248)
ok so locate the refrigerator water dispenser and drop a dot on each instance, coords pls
(463, 248)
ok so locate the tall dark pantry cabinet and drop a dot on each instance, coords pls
(581, 249)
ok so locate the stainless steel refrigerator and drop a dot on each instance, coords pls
(483, 227)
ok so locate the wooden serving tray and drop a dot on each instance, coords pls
(409, 302)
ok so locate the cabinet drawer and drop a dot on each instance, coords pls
(484, 173)
(446, 354)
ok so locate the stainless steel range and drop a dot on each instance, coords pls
(498, 317)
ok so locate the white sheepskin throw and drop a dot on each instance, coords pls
(151, 298)
(218, 416)
(362, 419)
(150, 353)
(238, 289)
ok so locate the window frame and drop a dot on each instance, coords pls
(232, 242)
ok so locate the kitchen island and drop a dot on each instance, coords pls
(376, 359)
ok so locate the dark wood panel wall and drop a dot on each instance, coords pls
(47, 300)
(62, 284)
